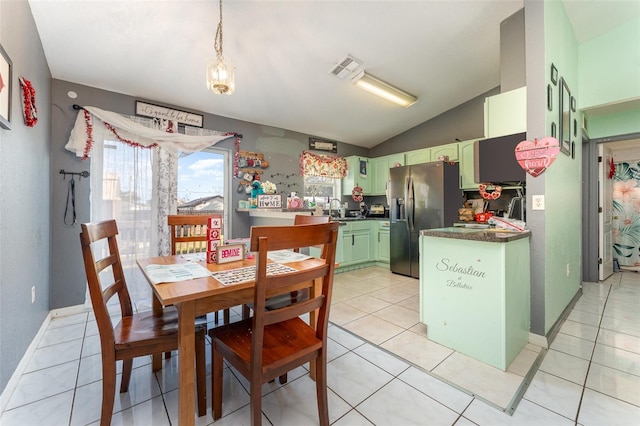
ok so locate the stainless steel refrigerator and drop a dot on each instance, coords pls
(421, 196)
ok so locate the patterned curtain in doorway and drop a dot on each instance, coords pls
(626, 208)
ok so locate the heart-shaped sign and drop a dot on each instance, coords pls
(535, 157)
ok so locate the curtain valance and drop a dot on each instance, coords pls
(94, 122)
(322, 165)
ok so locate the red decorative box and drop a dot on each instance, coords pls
(215, 222)
(212, 245)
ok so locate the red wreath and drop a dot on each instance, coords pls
(356, 194)
(497, 192)
(612, 169)
(29, 102)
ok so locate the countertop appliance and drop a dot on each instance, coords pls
(421, 196)
(376, 210)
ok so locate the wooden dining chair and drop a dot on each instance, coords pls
(189, 235)
(284, 299)
(273, 342)
(136, 334)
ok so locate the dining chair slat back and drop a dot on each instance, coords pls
(273, 342)
(189, 235)
(136, 334)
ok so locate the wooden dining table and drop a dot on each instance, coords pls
(195, 297)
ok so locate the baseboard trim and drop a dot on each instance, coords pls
(22, 365)
(538, 340)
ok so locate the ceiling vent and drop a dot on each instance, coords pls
(345, 67)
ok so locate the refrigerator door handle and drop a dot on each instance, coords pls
(410, 204)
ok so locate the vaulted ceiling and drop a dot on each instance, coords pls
(444, 52)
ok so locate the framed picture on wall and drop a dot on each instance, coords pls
(564, 119)
(554, 74)
(6, 80)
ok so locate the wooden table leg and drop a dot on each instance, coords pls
(156, 359)
(186, 364)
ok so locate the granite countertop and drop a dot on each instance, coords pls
(490, 235)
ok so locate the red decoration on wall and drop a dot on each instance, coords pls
(535, 157)
(612, 168)
(494, 195)
(356, 194)
(29, 102)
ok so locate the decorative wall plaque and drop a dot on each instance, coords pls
(320, 145)
(269, 201)
(156, 111)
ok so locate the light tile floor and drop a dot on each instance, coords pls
(589, 376)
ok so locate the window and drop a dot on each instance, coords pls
(203, 183)
(318, 188)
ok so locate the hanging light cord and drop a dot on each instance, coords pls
(218, 40)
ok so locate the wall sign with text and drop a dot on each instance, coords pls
(321, 145)
(156, 111)
(229, 253)
(269, 201)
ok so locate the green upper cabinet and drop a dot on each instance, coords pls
(467, 165)
(360, 173)
(449, 150)
(506, 113)
(380, 168)
(418, 156)
(380, 172)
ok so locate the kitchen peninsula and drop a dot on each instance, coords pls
(274, 217)
(474, 291)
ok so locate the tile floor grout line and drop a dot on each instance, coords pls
(586, 376)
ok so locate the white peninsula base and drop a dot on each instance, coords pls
(474, 292)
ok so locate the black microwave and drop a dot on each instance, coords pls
(495, 160)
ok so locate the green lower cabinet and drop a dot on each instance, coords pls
(384, 248)
(339, 249)
(315, 252)
(474, 296)
(361, 244)
(356, 243)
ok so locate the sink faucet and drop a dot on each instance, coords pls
(331, 204)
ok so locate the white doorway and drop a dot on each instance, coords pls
(605, 212)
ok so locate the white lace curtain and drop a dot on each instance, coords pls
(134, 181)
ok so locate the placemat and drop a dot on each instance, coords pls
(241, 275)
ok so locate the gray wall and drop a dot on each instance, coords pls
(512, 52)
(25, 176)
(463, 122)
(536, 125)
(281, 147)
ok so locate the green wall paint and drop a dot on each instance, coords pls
(610, 67)
(562, 181)
(617, 123)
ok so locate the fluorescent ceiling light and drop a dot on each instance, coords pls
(384, 90)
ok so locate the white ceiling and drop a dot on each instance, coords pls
(444, 52)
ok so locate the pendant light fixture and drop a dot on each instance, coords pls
(221, 77)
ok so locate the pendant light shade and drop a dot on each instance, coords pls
(221, 77)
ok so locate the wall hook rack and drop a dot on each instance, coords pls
(82, 174)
